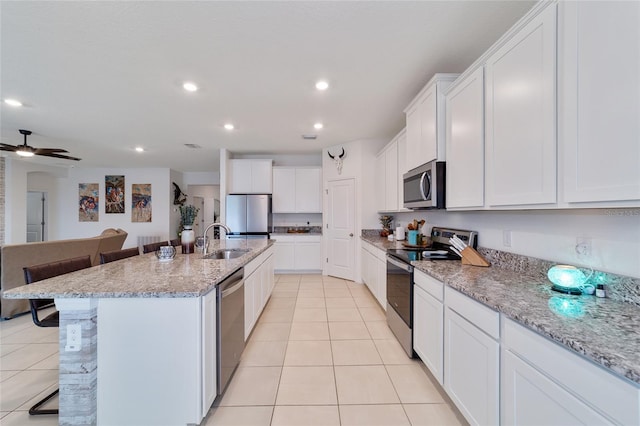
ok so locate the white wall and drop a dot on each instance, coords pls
(297, 219)
(16, 181)
(162, 197)
(552, 234)
(358, 163)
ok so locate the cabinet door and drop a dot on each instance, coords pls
(428, 330)
(465, 142)
(471, 370)
(284, 190)
(261, 176)
(250, 284)
(209, 342)
(240, 177)
(381, 187)
(599, 82)
(372, 273)
(414, 135)
(528, 397)
(308, 256)
(427, 150)
(402, 168)
(520, 116)
(364, 270)
(284, 256)
(391, 177)
(308, 190)
(381, 283)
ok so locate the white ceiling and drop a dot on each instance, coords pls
(99, 78)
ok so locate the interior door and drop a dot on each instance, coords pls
(341, 229)
(36, 214)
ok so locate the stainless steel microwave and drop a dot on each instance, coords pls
(424, 186)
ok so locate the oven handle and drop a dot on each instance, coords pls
(399, 264)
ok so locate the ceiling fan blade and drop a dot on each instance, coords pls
(65, 157)
(40, 151)
(7, 147)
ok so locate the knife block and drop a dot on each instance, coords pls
(472, 257)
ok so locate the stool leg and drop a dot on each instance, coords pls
(34, 411)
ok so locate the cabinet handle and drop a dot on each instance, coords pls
(351, 234)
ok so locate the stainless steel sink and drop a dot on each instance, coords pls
(226, 254)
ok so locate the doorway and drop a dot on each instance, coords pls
(341, 219)
(37, 216)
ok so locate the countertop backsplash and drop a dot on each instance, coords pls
(618, 287)
(297, 230)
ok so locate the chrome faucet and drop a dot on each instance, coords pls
(221, 225)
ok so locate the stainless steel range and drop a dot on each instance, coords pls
(400, 279)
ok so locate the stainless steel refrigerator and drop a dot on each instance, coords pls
(248, 216)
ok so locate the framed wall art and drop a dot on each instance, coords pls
(141, 202)
(114, 194)
(88, 205)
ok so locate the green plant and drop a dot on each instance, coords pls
(188, 214)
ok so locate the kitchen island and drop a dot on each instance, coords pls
(138, 336)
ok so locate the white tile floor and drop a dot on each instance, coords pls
(321, 354)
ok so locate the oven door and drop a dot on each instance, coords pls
(400, 289)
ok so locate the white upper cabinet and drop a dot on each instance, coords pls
(284, 190)
(599, 102)
(465, 142)
(425, 123)
(402, 167)
(297, 190)
(309, 190)
(250, 176)
(389, 167)
(521, 116)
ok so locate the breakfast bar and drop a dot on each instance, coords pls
(138, 336)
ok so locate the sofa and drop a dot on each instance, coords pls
(14, 257)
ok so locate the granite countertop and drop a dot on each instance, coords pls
(605, 331)
(187, 275)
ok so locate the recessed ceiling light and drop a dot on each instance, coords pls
(13, 102)
(139, 149)
(229, 126)
(322, 85)
(318, 126)
(190, 87)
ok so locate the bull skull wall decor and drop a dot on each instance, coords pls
(337, 160)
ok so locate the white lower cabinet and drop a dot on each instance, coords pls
(374, 272)
(258, 284)
(428, 324)
(298, 253)
(472, 353)
(525, 391)
(544, 383)
(209, 347)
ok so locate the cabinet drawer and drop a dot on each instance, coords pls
(429, 284)
(610, 395)
(479, 315)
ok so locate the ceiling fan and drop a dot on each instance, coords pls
(25, 150)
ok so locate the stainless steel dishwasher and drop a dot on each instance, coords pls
(230, 304)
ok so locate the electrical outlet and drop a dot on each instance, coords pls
(74, 338)
(583, 247)
(506, 238)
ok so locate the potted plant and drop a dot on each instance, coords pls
(188, 215)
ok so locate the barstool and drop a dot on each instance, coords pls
(36, 273)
